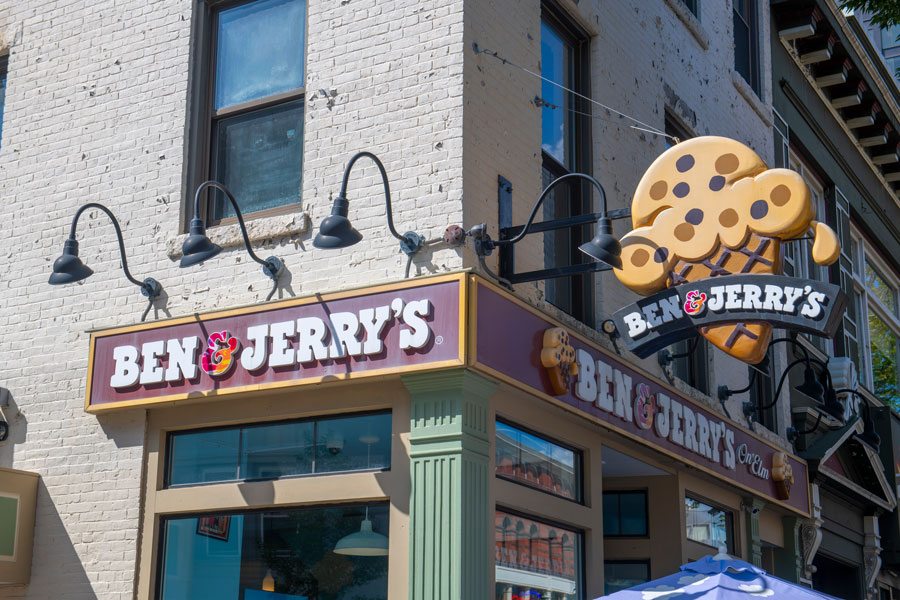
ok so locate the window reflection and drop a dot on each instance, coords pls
(622, 574)
(557, 64)
(883, 345)
(281, 449)
(537, 462)
(536, 560)
(707, 524)
(259, 50)
(230, 556)
(880, 289)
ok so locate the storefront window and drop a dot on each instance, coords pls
(536, 560)
(272, 555)
(707, 524)
(623, 574)
(537, 462)
(624, 514)
(283, 449)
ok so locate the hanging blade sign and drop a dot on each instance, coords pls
(676, 313)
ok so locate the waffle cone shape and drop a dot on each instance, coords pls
(747, 341)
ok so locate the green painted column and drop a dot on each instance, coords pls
(451, 520)
(788, 563)
(753, 506)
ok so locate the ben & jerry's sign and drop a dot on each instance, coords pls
(526, 349)
(356, 334)
(710, 222)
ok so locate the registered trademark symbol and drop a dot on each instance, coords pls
(439, 340)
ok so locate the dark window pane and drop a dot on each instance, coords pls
(234, 556)
(883, 345)
(354, 443)
(611, 517)
(634, 513)
(259, 50)
(537, 462)
(277, 450)
(691, 6)
(536, 560)
(259, 158)
(742, 55)
(281, 449)
(620, 575)
(204, 456)
(624, 513)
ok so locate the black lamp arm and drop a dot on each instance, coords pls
(540, 201)
(237, 212)
(781, 384)
(794, 343)
(118, 229)
(384, 180)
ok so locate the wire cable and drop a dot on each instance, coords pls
(648, 128)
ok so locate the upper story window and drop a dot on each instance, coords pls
(535, 461)
(874, 302)
(693, 6)
(625, 514)
(283, 449)
(250, 134)
(565, 139)
(746, 42)
(889, 37)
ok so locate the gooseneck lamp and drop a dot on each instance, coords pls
(868, 437)
(604, 247)
(198, 248)
(68, 268)
(336, 231)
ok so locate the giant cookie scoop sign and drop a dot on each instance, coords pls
(710, 219)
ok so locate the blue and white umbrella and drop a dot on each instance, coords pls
(718, 577)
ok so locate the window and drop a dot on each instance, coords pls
(531, 460)
(283, 449)
(889, 37)
(694, 7)
(4, 65)
(746, 42)
(708, 525)
(874, 301)
(536, 559)
(251, 133)
(623, 574)
(624, 514)
(565, 142)
(249, 555)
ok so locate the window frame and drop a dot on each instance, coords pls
(753, 15)
(578, 498)
(202, 114)
(172, 434)
(159, 579)
(619, 493)
(626, 561)
(864, 253)
(581, 577)
(578, 195)
(729, 521)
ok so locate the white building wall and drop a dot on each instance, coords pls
(95, 112)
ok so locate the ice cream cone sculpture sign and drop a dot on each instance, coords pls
(710, 219)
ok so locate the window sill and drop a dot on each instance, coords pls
(744, 89)
(690, 21)
(258, 230)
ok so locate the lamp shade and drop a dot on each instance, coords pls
(832, 406)
(197, 247)
(336, 231)
(811, 386)
(364, 542)
(604, 247)
(68, 268)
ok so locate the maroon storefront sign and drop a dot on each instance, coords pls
(528, 350)
(387, 329)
